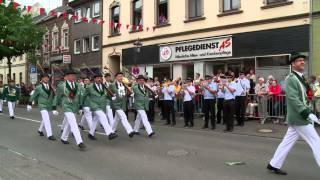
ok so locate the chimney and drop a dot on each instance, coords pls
(65, 2)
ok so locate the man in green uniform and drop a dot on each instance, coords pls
(98, 98)
(300, 119)
(11, 94)
(87, 114)
(44, 95)
(141, 105)
(119, 104)
(109, 112)
(69, 95)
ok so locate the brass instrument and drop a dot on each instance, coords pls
(129, 91)
(154, 94)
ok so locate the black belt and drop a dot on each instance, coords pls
(227, 100)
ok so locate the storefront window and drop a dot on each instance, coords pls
(162, 9)
(272, 61)
(137, 13)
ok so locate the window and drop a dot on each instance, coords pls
(137, 13)
(195, 8)
(162, 12)
(65, 39)
(78, 14)
(20, 77)
(115, 14)
(86, 12)
(1, 77)
(46, 43)
(275, 1)
(96, 9)
(55, 41)
(77, 45)
(229, 5)
(86, 45)
(95, 43)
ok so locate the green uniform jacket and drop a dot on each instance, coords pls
(297, 111)
(86, 98)
(141, 98)
(120, 103)
(98, 99)
(43, 97)
(11, 93)
(71, 101)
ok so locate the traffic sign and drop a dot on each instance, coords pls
(33, 78)
(33, 70)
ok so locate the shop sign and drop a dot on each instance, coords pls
(200, 49)
(66, 59)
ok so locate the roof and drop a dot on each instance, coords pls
(76, 3)
(46, 17)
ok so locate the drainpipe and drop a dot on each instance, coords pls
(310, 39)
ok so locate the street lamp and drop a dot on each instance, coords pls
(138, 44)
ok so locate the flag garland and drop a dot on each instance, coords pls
(66, 15)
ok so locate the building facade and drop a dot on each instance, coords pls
(18, 69)
(55, 52)
(184, 37)
(86, 37)
(315, 36)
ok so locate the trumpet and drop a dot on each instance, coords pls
(109, 91)
(150, 90)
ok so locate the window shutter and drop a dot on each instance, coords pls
(220, 6)
(202, 7)
(265, 2)
(187, 8)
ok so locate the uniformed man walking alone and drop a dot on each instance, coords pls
(300, 119)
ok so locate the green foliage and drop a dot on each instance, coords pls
(18, 33)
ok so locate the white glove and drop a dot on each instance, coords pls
(132, 95)
(80, 111)
(54, 112)
(4, 100)
(313, 118)
(113, 98)
(29, 108)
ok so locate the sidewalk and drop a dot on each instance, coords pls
(251, 128)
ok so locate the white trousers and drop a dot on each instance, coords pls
(142, 116)
(120, 115)
(1, 104)
(308, 133)
(86, 117)
(64, 122)
(45, 123)
(11, 106)
(109, 115)
(72, 126)
(102, 118)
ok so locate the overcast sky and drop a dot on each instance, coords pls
(48, 4)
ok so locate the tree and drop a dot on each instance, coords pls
(18, 33)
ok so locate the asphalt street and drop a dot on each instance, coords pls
(172, 154)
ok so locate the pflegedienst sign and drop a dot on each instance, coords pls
(197, 49)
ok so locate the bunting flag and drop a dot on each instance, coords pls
(15, 5)
(115, 25)
(94, 20)
(147, 29)
(2, 1)
(28, 8)
(101, 22)
(133, 28)
(53, 13)
(84, 19)
(127, 26)
(141, 28)
(70, 16)
(119, 25)
(59, 14)
(65, 14)
(42, 11)
(74, 17)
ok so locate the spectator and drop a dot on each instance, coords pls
(261, 90)
(252, 76)
(317, 97)
(270, 80)
(162, 19)
(274, 106)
